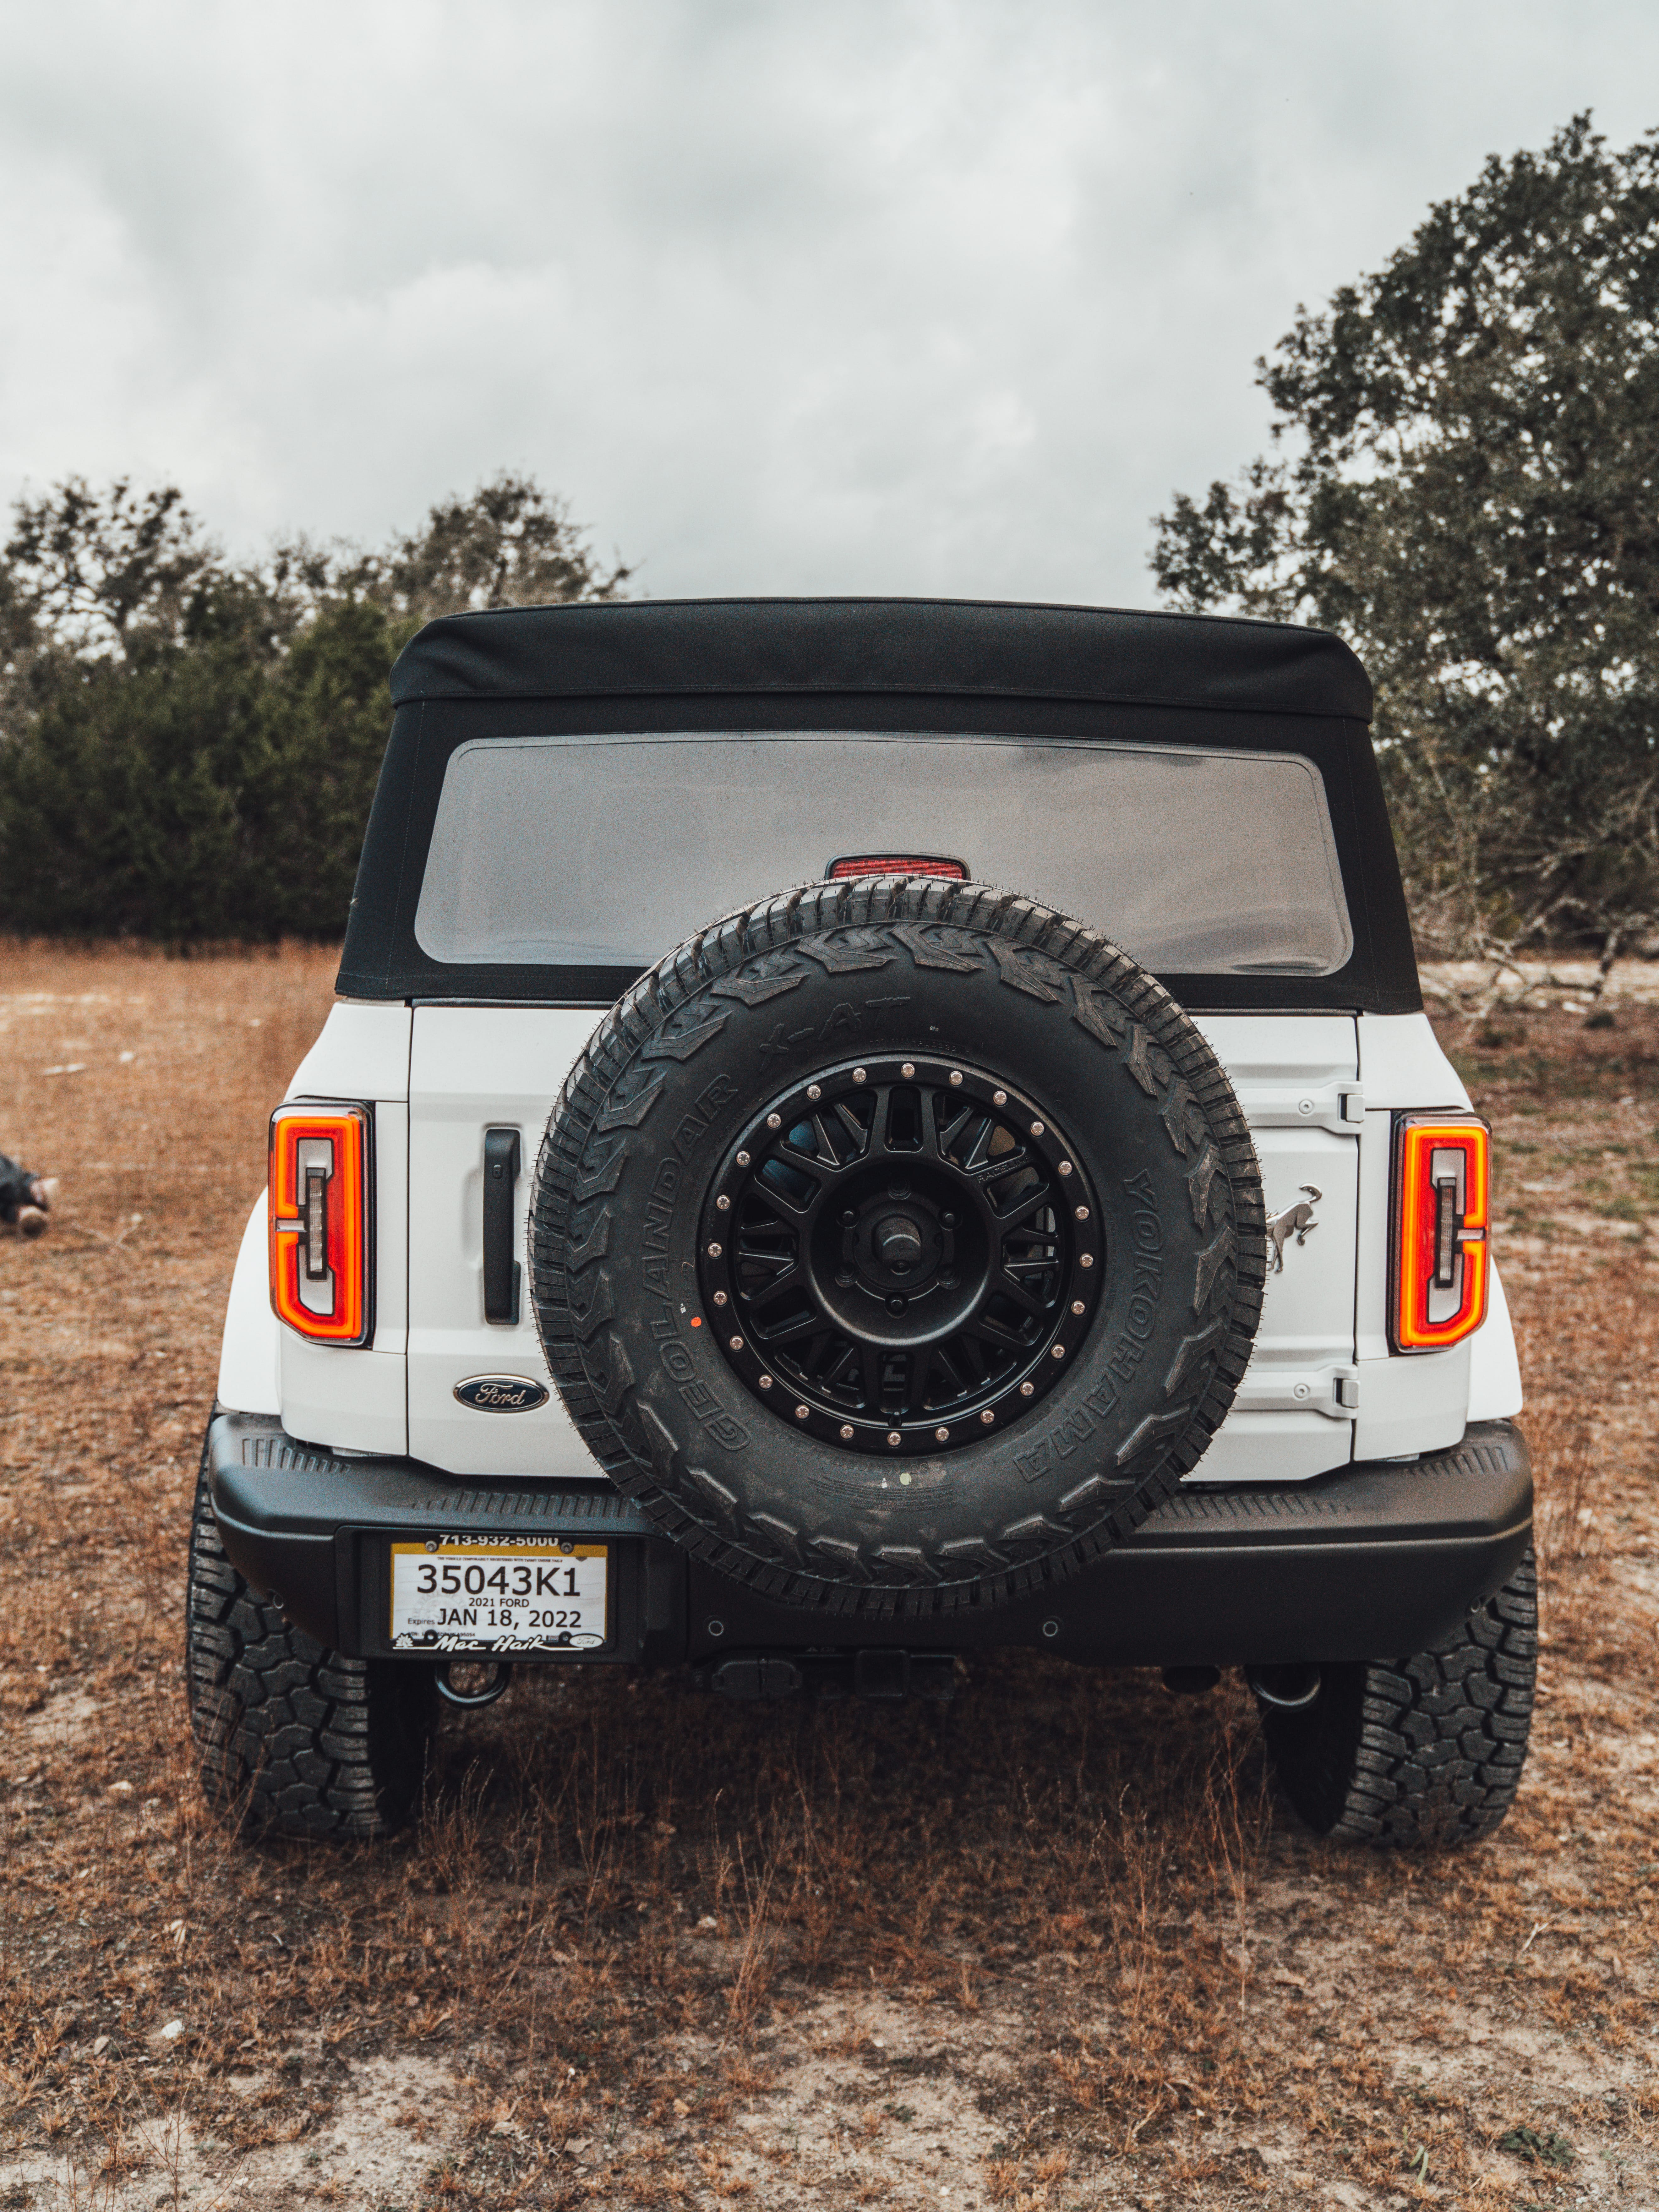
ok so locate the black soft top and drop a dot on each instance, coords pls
(993, 649)
(957, 666)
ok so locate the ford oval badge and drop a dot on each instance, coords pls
(501, 1394)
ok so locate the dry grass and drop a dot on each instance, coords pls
(1053, 1945)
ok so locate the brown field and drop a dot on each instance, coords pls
(1054, 1945)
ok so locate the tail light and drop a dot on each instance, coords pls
(320, 1223)
(896, 864)
(1442, 1200)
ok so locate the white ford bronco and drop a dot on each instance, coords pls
(853, 1132)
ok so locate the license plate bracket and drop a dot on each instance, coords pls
(532, 1596)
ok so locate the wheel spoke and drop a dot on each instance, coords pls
(1033, 1202)
(870, 1376)
(778, 1179)
(915, 1393)
(1014, 1288)
(841, 1366)
(953, 1128)
(791, 1331)
(881, 1120)
(995, 1169)
(989, 1330)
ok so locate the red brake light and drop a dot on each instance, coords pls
(896, 864)
(319, 1222)
(1442, 1213)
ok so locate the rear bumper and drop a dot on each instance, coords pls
(1371, 1562)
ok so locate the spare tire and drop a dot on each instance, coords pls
(897, 1245)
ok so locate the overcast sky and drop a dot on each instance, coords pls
(892, 297)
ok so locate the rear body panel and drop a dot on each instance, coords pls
(1318, 1090)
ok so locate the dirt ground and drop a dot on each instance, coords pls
(1054, 1945)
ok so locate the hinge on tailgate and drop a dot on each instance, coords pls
(1332, 1390)
(1338, 1107)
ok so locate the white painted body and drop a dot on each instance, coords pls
(1319, 1091)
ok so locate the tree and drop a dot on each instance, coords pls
(189, 748)
(510, 545)
(1465, 482)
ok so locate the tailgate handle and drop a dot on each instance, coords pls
(501, 1272)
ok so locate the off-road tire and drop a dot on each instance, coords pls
(289, 1735)
(1428, 1751)
(622, 1218)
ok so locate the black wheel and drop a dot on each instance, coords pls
(897, 1244)
(1426, 1751)
(291, 1735)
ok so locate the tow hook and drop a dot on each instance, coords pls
(496, 1682)
(1288, 1689)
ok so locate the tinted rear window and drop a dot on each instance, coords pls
(568, 851)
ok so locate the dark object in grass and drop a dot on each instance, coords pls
(1426, 1751)
(1537, 2149)
(1601, 1017)
(1489, 1038)
(26, 1199)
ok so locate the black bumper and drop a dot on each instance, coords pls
(1372, 1562)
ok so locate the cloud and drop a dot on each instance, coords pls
(900, 297)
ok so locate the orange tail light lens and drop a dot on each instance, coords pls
(1442, 1213)
(320, 1222)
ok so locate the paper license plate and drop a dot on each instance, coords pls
(449, 1594)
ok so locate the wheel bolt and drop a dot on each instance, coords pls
(947, 1221)
(774, 1121)
(1026, 1389)
(846, 1432)
(1086, 1259)
(848, 1217)
(894, 1437)
(955, 1075)
(1077, 1305)
(1082, 1213)
(1058, 1351)
(999, 1098)
(860, 1075)
(766, 1382)
(1037, 1129)
(815, 1090)
(736, 1343)
(1065, 1167)
(897, 1305)
(845, 1279)
(720, 1298)
(800, 1413)
(987, 1417)
(715, 1251)
(722, 1204)
(742, 1159)
(907, 1070)
(941, 1435)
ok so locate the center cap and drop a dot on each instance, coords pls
(898, 1243)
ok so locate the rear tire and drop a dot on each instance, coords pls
(1428, 1751)
(290, 1735)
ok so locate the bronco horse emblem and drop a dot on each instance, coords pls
(1295, 1221)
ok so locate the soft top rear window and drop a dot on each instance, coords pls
(568, 851)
